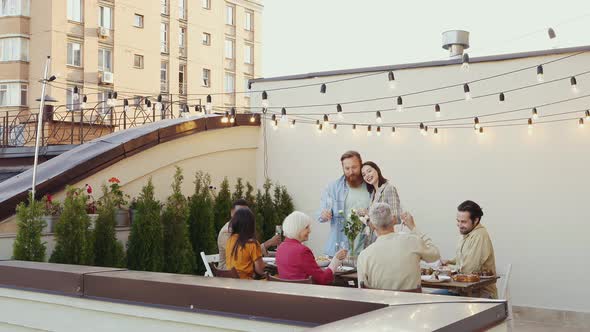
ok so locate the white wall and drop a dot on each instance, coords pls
(533, 188)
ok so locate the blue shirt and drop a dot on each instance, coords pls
(336, 192)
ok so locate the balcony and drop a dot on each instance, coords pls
(163, 86)
(164, 47)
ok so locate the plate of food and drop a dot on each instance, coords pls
(485, 274)
(323, 260)
(435, 278)
(466, 278)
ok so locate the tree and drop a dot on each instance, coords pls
(201, 221)
(265, 207)
(28, 245)
(249, 197)
(108, 251)
(238, 190)
(222, 205)
(259, 217)
(283, 204)
(73, 237)
(145, 248)
(178, 252)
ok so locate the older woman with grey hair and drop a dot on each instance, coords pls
(295, 261)
(393, 260)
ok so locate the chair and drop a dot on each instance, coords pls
(504, 292)
(233, 273)
(208, 260)
(296, 281)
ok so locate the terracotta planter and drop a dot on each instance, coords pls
(50, 222)
(122, 218)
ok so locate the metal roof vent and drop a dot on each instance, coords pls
(456, 41)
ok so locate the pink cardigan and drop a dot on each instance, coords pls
(295, 261)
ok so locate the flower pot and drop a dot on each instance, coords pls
(122, 218)
(93, 217)
(132, 215)
(50, 222)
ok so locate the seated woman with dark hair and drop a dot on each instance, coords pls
(296, 261)
(243, 251)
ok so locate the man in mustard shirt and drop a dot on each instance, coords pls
(475, 252)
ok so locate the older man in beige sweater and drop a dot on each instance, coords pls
(393, 261)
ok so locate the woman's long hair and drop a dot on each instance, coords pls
(243, 224)
(382, 180)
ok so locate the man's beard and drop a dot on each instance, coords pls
(354, 179)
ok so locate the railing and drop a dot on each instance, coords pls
(62, 126)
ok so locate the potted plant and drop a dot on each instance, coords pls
(352, 228)
(120, 201)
(90, 206)
(51, 211)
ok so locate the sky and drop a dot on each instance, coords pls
(301, 36)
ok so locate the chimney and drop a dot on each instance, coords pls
(456, 41)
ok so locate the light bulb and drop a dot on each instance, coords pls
(391, 78)
(320, 128)
(535, 113)
(436, 131)
(422, 128)
(378, 131)
(275, 125)
(264, 99)
(530, 126)
(369, 132)
(293, 124)
(323, 88)
(84, 100)
(354, 128)
(480, 131)
(437, 110)
(339, 111)
(252, 118)
(467, 91)
(587, 115)
(476, 123)
(501, 98)
(334, 129)
(379, 119)
(326, 120)
(392, 131)
(400, 104)
(284, 117)
(465, 65)
(208, 105)
(574, 84)
(581, 123)
(540, 75)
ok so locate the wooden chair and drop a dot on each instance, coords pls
(415, 290)
(233, 273)
(295, 281)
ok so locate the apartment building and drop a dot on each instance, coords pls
(179, 48)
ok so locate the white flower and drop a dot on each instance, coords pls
(353, 211)
(341, 212)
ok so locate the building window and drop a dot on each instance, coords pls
(206, 4)
(229, 49)
(14, 49)
(182, 41)
(14, 8)
(182, 79)
(138, 61)
(206, 77)
(75, 10)
(229, 83)
(164, 7)
(164, 76)
(248, 22)
(105, 59)
(74, 54)
(229, 15)
(13, 94)
(248, 54)
(206, 39)
(164, 37)
(105, 17)
(138, 21)
(182, 9)
(72, 103)
(103, 97)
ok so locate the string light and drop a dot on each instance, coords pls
(535, 113)
(530, 126)
(574, 84)
(467, 91)
(400, 104)
(320, 128)
(391, 78)
(581, 123)
(425, 131)
(158, 104)
(335, 129)
(379, 119)
(208, 105)
(76, 96)
(323, 88)
(252, 118)
(232, 117)
(587, 115)
(392, 131)
(264, 99)
(551, 33)
(354, 128)
(422, 128)
(369, 132)
(465, 65)
(501, 98)
(125, 105)
(84, 101)
(378, 131)
(284, 116)
(540, 75)
(437, 110)
(436, 131)
(339, 111)
(326, 119)
(293, 124)
(225, 118)
(476, 122)
(318, 125)
(480, 131)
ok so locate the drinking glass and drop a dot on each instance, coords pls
(278, 230)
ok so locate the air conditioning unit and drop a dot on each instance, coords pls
(106, 77)
(103, 33)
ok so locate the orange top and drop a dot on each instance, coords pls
(245, 258)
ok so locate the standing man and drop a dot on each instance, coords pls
(340, 197)
(475, 252)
